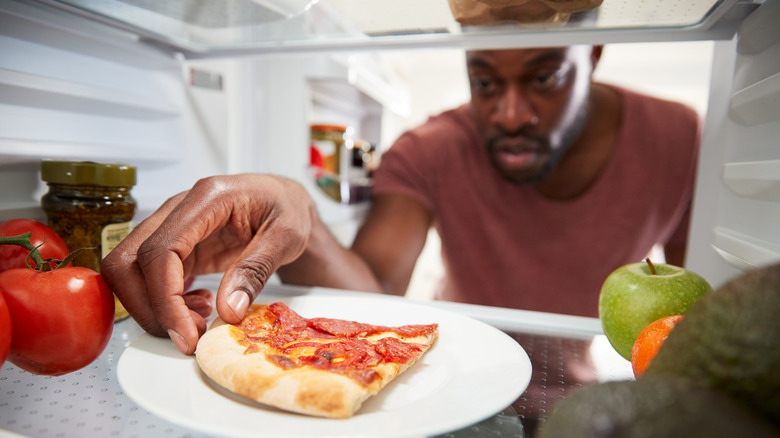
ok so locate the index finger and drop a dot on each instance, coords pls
(161, 256)
(125, 277)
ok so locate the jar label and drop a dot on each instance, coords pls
(329, 152)
(112, 234)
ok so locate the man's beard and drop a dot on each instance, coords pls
(543, 147)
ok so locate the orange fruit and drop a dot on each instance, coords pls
(649, 341)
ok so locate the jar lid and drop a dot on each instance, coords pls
(87, 173)
(329, 128)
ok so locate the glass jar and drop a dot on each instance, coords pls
(89, 205)
(328, 141)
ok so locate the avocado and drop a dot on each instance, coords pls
(651, 407)
(729, 341)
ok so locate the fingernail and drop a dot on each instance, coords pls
(178, 340)
(239, 302)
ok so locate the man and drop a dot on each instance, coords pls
(539, 188)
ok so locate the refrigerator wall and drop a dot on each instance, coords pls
(73, 90)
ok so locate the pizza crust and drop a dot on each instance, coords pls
(304, 389)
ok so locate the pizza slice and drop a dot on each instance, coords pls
(317, 366)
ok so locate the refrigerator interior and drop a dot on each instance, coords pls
(211, 100)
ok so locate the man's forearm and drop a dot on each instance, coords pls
(327, 263)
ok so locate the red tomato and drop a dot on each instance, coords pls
(62, 319)
(12, 256)
(5, 330)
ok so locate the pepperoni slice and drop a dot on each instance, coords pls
(338, 327)
(288, 320)
(396, 350)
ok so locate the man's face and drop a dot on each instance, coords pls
(530, 105)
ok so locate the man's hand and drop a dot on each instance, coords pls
(244, 225)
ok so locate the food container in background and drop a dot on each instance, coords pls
(327, 141)
(90, 206)
(341, 164)
(328, 146)
(491, 12)
(365, 159)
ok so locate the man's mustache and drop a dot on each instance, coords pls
(518, 137)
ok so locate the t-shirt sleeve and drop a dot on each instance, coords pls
(405, 171)
(687, 124)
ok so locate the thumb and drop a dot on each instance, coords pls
(240, 285)
(268, 250)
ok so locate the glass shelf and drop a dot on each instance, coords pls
(566, 353)
(200, 28)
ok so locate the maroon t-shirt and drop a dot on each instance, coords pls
(505, 245)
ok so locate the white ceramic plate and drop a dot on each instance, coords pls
(472, 372)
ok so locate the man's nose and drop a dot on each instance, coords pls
(514, 111)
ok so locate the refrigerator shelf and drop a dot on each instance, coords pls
(743, 252)
(757, 179)
(566, 353)
(757, 103)
(244, 27)
(19, 150)
(38, 91)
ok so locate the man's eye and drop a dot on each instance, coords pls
(483, 86)
(549, 81)
(546, 81)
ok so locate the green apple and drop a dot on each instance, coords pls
(637, 294)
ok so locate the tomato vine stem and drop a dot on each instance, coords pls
(23, 240)
(41, 264)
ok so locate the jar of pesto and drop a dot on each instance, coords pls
(90, 206)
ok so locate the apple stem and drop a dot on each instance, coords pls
(652, 267)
